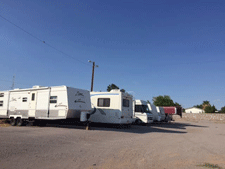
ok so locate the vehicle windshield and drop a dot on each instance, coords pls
(142, 108)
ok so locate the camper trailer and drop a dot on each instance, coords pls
(142, 113)
(156, 115)
(161, 112)
(169, 111)
(44, 103)
(114, 107)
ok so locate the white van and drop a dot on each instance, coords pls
(113, 107)
(142, 113)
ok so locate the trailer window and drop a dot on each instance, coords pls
(125, 103)
(24, 99)
(33, 97)
(1, 103)
(53, 99)
(1, 94)
(103, 102)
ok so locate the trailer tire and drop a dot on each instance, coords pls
(19, 121)
(12, 121)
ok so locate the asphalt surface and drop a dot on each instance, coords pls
(173, 145)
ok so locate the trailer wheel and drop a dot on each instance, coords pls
(19, 121)
(12, 121)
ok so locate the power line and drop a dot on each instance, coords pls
(43, 41)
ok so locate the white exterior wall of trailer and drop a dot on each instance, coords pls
(112, 107)
(163, 115)
(152, 108)
(47, 103)
(161, 112)
(78, 101)
(4, 99)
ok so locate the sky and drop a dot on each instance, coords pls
(147, 47)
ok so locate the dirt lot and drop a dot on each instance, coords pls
(175, 145)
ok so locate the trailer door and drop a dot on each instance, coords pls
(127, 110)
(33, 103)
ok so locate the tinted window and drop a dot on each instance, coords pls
(125, 103)
(53, 99)
(1, 103)
(103, 102)
(1, 94)
(142, 108)
(138, 108)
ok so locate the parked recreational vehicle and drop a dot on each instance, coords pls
(142, 113)
(113, 107)
(160, 110)
(169, 111)
(156, 115)
(44, 103)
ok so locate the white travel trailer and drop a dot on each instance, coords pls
(161, 112)
(44, 103)
(142, 113)
(156, 115)
(114, 107)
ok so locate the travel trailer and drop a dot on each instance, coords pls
(114, 107)
(161, 112)
(44, 103)
(142, 113)
(169, 111)
(156, 115)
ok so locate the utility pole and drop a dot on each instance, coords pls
(13, 82)
(93, 72)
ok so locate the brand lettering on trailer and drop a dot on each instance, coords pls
(79, 101)
(79, 94)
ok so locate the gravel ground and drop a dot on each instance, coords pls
(173, 145)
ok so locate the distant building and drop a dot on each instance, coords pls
(194, 110)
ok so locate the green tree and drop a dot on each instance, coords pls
(177, 104)
(222, 110)
(210, 109)
(113, 86)
(123, 90)
(205, 104)
(163, 101)
(198, 106)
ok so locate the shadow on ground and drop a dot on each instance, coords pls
(174, 127)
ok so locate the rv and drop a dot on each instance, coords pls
(156, 115)
(142, 113)
(169, 111)
(114, 107)
(44, 103)
(161, 112)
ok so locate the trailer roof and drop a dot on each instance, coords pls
(37, 88)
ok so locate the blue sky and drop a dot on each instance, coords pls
(147, 47)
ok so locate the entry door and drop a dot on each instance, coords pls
(33, 103)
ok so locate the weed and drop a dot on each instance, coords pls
(208, 165)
